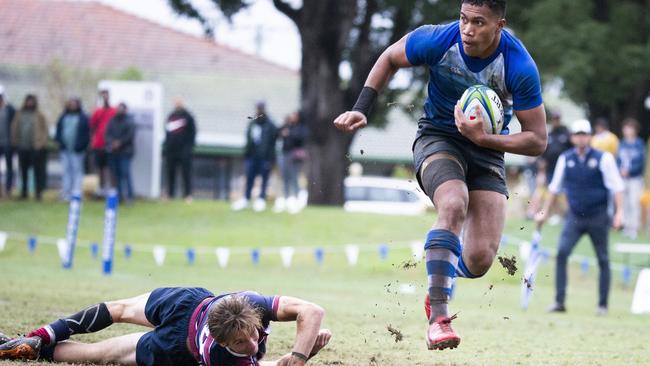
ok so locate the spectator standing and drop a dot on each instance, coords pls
(98, 122)
(587, 176)
(604, 139)
(559, 141)
(120, 134)
(7, 112)
(631, 161)
(259, 155)
(29, 137)
(292, 140)
(180, 135)
(73, 135)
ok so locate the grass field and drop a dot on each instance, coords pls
(360, 301)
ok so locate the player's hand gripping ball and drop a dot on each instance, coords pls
(481, 99)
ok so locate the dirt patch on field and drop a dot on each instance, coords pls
(510, 264)
(409, 264)
(395, 333)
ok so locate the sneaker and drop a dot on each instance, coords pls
(293, 205)
(601, 311)
(4, 338)
(259, 205)
(21, 348)
(240, 204)
(556, 308)
(440, 335)
(280, 205)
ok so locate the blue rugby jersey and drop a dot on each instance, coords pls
(210, 353)
(510, 71)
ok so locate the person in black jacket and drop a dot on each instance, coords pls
(73, 136)
(120, 135)
(292, 137)
(260, 155)
(7, 112)
(180, 135)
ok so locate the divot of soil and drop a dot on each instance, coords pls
(395, 333)
(409, 264)
(510, 264)
(373, 361)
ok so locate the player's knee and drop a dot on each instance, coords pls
(452, 209)
(480, 261)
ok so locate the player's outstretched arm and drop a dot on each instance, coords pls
(391, 60)
(309, 336)
(323, 338)
(530, 141)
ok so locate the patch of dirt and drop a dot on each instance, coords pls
(510, 264)
(395, 333)
(409, 264)
(373, 361)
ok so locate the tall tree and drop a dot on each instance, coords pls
(334, 32)
(599, 48)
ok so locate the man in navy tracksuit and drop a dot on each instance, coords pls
(588, 177)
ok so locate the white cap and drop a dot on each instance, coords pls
(581, 126)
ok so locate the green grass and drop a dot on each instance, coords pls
(360, 301)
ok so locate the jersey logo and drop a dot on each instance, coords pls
(593, 163)
(455, 70)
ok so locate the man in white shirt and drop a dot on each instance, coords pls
(588, 177)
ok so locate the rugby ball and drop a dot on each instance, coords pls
(489, 105)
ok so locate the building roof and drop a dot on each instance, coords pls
(97, 36)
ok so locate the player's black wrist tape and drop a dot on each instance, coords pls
(365, 101)
(300, 356)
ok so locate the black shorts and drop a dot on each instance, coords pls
(484, 168)
(169, 310)
(101, 158)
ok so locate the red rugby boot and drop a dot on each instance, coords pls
(440, 335)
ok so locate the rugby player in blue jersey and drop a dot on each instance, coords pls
(191, 326)
(458, 165)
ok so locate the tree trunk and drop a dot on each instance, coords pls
(322, 101)
(322, 95)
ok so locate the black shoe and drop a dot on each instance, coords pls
(556, 308)
(21, 348)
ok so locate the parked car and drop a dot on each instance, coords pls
(388, 196)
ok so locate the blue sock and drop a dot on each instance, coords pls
(463, 271)
(442, 251)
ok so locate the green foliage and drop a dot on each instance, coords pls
(601, 54)
(131, 73)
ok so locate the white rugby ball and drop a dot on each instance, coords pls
(489, 104)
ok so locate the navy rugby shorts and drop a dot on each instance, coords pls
(169, 310)
(484, 168)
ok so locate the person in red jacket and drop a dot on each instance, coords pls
(98, 122)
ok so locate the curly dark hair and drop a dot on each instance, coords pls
(497, 6)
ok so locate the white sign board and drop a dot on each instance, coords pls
(641, 298)
(144, 100)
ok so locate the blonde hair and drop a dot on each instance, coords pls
(231, 317)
